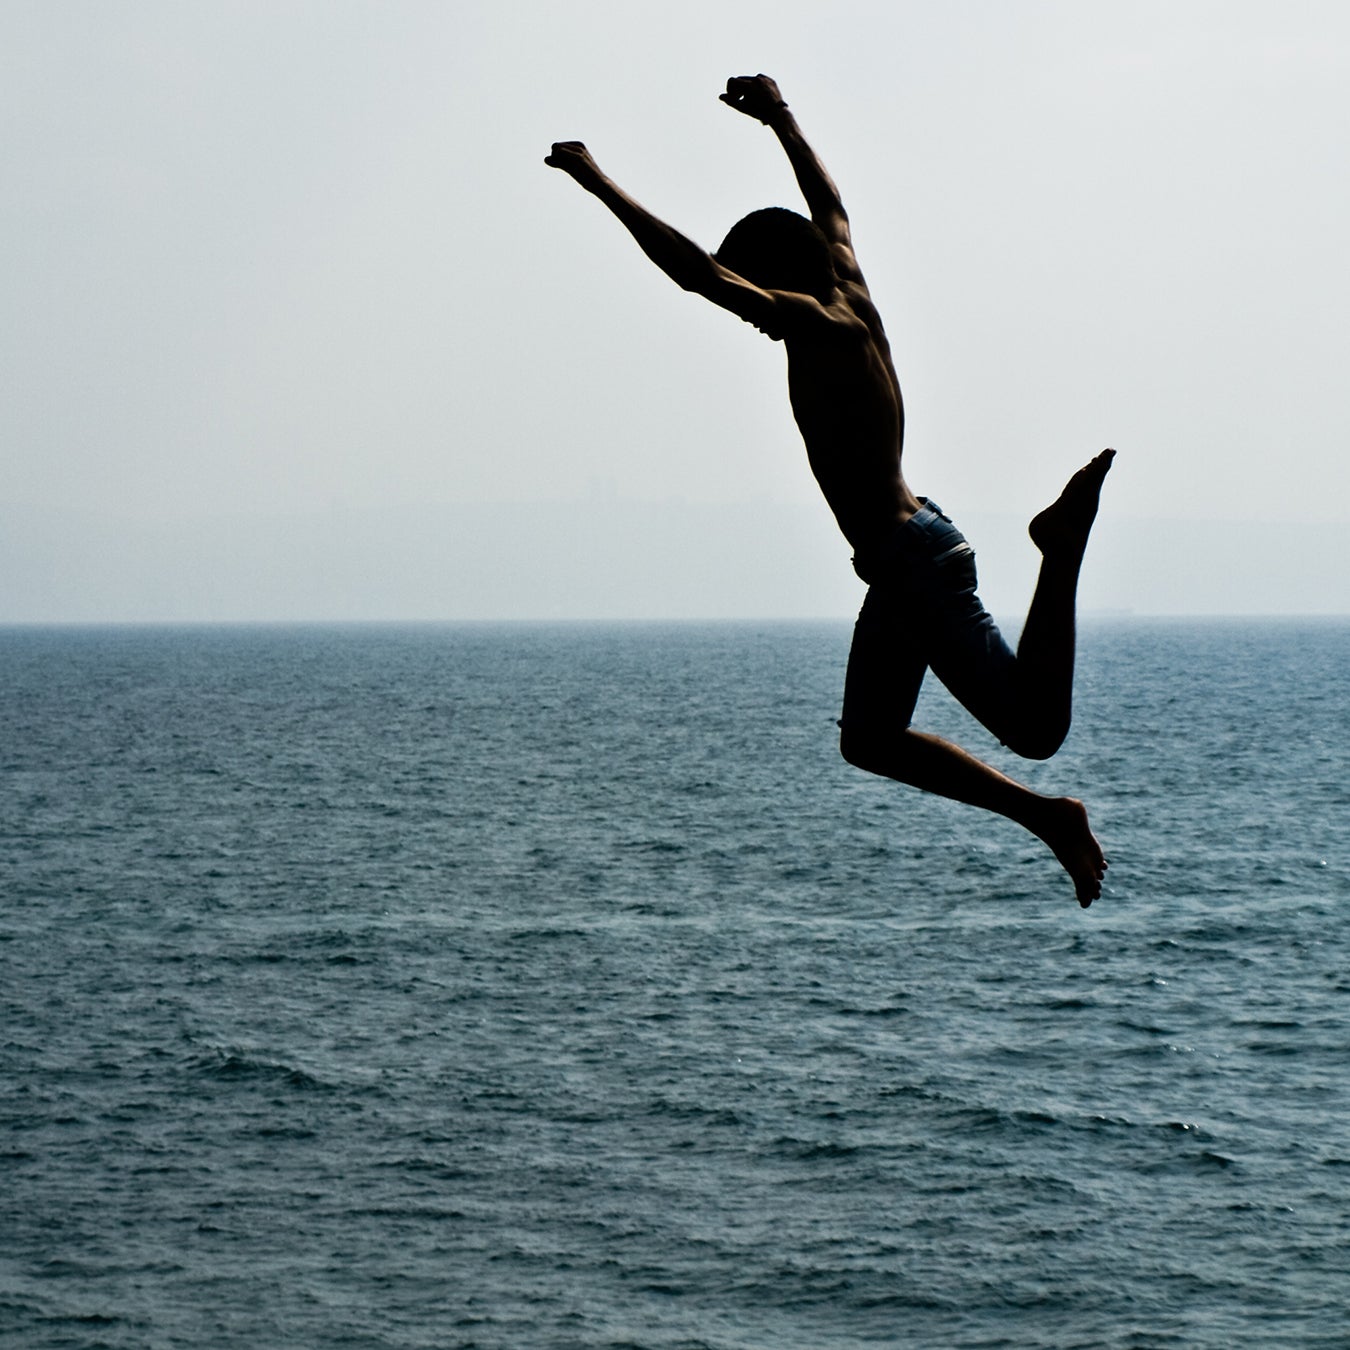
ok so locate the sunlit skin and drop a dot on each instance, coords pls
(846, 399)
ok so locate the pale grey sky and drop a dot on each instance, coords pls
(298, 325)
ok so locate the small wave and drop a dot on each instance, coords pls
(915, 1091)
(1275, 1048)
(411, 1213)
(1183, 1127)
(430, 1167)
(913, 1300)
(1148, 1028)
(988, 1119)
(708, 1116)
(89, 1319)
(887, 1010)
(653, 846)
(236, 1065)
(549, 933)
(813, 1150)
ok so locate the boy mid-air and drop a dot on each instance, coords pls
(798, 282)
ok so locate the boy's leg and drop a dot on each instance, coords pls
(937, 766)
(1026, 700)
(1045, 652)
(885, 670)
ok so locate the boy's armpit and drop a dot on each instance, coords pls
(778, 314)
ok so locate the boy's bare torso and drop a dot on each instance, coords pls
(846, 400)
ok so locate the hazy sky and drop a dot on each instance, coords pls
(296, 324)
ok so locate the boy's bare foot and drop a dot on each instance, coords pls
(1063, 824)
(1063, 527)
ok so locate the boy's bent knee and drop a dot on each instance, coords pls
(853, 746)
(1039, 742)
(868, 750)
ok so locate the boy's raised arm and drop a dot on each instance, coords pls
(683, 261)
(758, 96)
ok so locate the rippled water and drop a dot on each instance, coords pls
(560, 986)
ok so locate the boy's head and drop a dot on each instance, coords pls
(780, 250)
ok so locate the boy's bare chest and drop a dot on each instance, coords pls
(842, 398)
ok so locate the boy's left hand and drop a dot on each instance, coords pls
(756, 96)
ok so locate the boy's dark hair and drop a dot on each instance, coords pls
(779, 250)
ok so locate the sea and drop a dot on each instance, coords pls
(558, 985)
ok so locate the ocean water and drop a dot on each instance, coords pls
(559, 986)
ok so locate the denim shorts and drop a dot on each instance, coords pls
(922, 612)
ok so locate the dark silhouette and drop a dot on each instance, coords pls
(798, 281)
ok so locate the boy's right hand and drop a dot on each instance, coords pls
(574, 159)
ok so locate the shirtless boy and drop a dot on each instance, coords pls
(798, 282)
